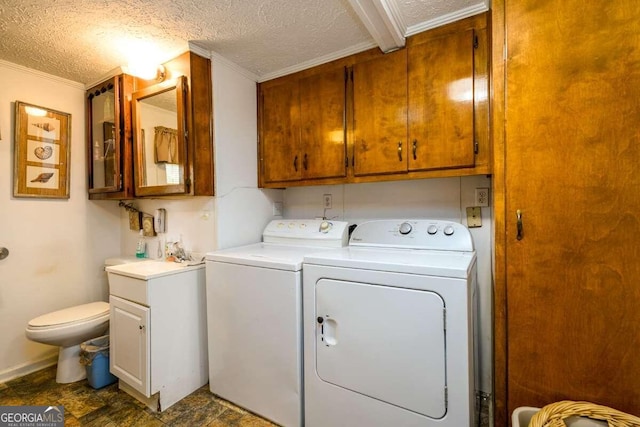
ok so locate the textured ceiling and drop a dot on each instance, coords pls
(83, 40)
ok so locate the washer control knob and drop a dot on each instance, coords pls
(432, 229)
(325, 226)
(320, 319)
(405, 228)
(448, 230)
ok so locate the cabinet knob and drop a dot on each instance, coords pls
(141, 327)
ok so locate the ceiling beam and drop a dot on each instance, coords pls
(383, 21)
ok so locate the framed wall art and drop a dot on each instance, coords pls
(42, 152)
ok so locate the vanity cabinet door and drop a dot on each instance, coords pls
(130, 341)
(441, 102)
(380, 115)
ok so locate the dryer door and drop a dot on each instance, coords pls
(383, 342)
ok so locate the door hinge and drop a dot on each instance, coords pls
(475, 41)
(346, 161)
(476, 147)
(120, 188)
(186, 134)
(187, 184)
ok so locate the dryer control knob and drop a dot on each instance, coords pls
(432, 229)
(405, 228)
(320, 319)
(325, 226)
(448, 230)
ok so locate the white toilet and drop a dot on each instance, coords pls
(70, 327)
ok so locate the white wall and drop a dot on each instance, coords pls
(57, 246)
(239, 211)
(445, 198)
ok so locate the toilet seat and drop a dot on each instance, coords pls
(70, 316)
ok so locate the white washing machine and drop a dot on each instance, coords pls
(254, 315)
(388, 327)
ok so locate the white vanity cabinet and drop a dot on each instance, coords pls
(158, 336)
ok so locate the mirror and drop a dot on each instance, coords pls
(104, 137)
(159, 139)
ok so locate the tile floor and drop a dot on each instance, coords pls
(110, 407)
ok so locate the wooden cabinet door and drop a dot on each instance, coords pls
(280, 124)
(380, 115)
(572, 155)
(441, 87)
(322, 119)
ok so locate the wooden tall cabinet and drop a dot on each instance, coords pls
(567, 299)
(302, 126)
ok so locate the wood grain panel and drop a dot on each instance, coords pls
(441, 102)
(322, 119)
(280, 123)
(380, 114)
(572, 154)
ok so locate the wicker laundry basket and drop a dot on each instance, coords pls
(554, 415)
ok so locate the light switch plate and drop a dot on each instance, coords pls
(474, 217)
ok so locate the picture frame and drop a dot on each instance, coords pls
(42, 152)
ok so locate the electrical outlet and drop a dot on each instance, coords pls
(327, 201)
(482, 197)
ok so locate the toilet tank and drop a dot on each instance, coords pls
(123, 259)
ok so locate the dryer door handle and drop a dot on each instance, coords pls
(328, 328)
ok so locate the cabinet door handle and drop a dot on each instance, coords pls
(295, 163)
(519, 224)
(415, 148)
(305, 162)
(141, 327)
(400, 151)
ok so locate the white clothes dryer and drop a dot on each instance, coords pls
(388, 327)
(254, 315)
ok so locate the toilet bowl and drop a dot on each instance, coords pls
(68, 328)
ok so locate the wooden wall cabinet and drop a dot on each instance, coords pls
(380, 115)
(418, 112)
(302, 127)
(115, 137)
(188, 87)
(109, 144)
(441, 82)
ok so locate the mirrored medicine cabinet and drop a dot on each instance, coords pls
(148, 139)
(160, 146)
(109, 139)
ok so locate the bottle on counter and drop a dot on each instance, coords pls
(141, 248)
